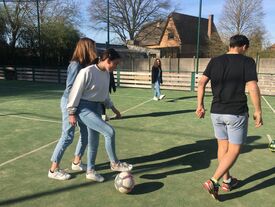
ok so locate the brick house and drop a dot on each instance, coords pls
(272, 47)
(177, 35)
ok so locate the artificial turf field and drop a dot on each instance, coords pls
(173, 152)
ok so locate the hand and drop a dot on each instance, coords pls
(257, 116)
(118, 115)
(72, 119)
(200, 112)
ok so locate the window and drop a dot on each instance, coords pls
(170, 35)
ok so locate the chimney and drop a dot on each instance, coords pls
(210, 25)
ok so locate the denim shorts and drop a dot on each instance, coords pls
(230, 127)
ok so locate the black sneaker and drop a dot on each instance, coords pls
(229, 186)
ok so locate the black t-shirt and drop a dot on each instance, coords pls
(228, 74)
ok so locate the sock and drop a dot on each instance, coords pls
(76, 163)
(51, 171)
(227, 181)
(215, 181)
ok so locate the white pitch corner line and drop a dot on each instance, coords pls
(269, 138)
(30, 118)
(134, 107)
(28, 153)
(268, 104)
(44, 146)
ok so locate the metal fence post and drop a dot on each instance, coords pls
(15, 73)
(170, 64)
(118, 76)
(59, 75)
(33, 74)
(178, 65)
(193, 77)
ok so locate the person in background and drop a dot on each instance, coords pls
(156, 78)
(89, 91)
(230, 74)
(84, 54)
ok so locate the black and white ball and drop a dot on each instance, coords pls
(124, 182)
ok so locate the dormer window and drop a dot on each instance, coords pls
(171, 35)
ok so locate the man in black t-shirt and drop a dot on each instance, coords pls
(230, 74)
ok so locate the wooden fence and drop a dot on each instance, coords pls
(176, 81)
(171, 80)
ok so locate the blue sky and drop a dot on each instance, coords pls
(191, 7)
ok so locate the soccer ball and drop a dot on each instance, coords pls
(124, 182)
(271, 146)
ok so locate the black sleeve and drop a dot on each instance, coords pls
(153, 77)
(250, 72)
(207, 71)
(112, 83)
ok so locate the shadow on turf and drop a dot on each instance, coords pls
(143, 188)
(156, 114)
(44, 193)
(183, 98)
(22, 88)
(192, 157)
(265, 184)
(188, 158)
(146, 188)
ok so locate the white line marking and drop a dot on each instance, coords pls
(269, 138)
(30, 118)
(136, 106)
(268, 104)
(44, 146)
(28, 153)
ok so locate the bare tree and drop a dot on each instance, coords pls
(243, 17)
(15, 18)
(215, 45)
(127, 16)
(2, 26)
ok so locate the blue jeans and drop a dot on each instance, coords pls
(157, 89)
(89, 113)
(67, 135)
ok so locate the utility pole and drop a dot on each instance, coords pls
(198, 39)
(108, 24)
(39, 33)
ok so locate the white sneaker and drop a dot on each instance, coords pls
(59, 174)
(161, 97)
(93, 175)
(155, 98)
(79, 167)
(121, 166)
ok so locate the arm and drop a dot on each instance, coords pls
(118, 114)
(73, 70)
(109, 104)
(75, 96)
(153, 76)
(255, 97)
(200, 96)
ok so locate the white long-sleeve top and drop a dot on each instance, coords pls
(91, 84)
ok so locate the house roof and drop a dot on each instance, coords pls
(186, 27)
(151, 33)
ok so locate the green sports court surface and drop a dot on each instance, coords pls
(173, 152)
